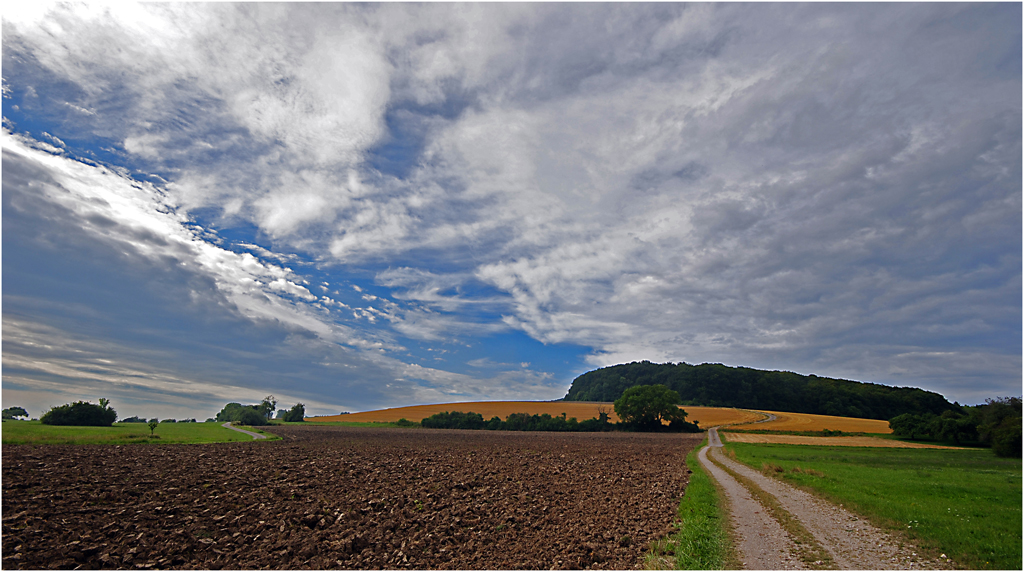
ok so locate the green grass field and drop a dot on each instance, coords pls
(963, 503)
(701, 541)
(35, 433)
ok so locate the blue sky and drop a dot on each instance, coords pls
(359, 206)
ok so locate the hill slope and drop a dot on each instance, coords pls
(717, 385)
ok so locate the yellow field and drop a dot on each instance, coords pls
(808, 422)
(705, 416)
(826, 441)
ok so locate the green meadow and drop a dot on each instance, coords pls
(965, 504)
(35, 433)
(701, 540)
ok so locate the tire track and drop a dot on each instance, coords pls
(761, 541)
(851, 541)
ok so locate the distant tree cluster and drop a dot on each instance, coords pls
(14, 413)
(997, 423)
(81, 414)
(647, 408)
(294, 415)
(258, 414)
(514, 422)
(717, 385)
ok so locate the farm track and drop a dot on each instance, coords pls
(850, 542)
(346, 497)
(255, 436)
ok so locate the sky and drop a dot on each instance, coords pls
(359, 206)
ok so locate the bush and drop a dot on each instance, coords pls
(133, 419)
(81, 414)
(247, 416)
(295, 414)
(454, 420)
(244, 414)
(1006, 439)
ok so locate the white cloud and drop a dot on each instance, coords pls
(135, 216)
(701, 182)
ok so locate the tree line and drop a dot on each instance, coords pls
(717, 385)
(995, 424)
(641, 408)
(85, 414)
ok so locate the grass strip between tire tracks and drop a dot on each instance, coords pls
(809, 550)
(701, 540)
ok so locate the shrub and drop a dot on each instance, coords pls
(244, 414)
(295, 414)
(82, 414)
(454, 420)
(248, 416)
(1006, 439)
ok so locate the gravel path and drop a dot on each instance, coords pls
(761, 541)
(254, 435)
(851, 541)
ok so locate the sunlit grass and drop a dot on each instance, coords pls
(35, 433)
(963, 503)
(700, 541)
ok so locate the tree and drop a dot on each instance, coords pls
(913, 426)
(14, 412)
(294, 415)
(647, 406)
(267, 406)
(249, 416)
(152, 426)
(81, 413)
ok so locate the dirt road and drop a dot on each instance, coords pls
(255, 436)
(777, 526)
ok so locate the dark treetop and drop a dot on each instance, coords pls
(717, 385)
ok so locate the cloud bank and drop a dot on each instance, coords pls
(830, 189)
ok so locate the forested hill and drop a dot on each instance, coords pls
(717, 385)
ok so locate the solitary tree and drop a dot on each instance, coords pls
(152, 426)
(267, 407)
(647, 406)
(14, 412)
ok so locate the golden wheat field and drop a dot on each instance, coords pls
(705, 416)
(808, 422)
(826, 441)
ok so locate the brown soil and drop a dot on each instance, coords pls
(346, 497)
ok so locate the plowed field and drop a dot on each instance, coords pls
(706, 416)
(346, 497)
